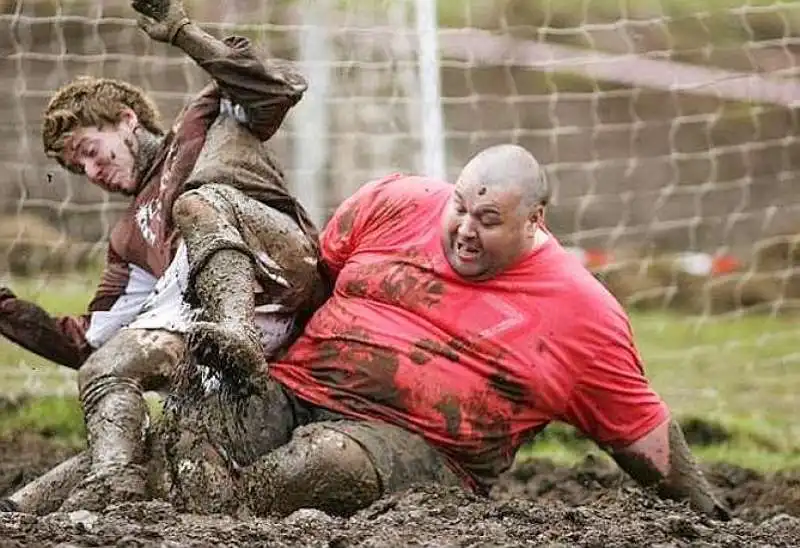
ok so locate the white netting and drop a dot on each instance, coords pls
(669, 129)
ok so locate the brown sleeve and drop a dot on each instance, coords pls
(60, 339)
(264, 90)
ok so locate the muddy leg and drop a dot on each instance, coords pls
(243, 255)
(340, 467)
(222, 282)
(210, 432)
(111, 385)
(46, 493)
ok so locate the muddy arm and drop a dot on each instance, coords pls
(663, 459)
(65, 340)
(60, 340)
(264, 91)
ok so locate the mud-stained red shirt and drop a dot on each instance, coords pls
(477, 368)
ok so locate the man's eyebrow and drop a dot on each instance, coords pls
(73, 144)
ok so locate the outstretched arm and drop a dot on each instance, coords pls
(60, 340)
(69, 340)
(264, 91)
(614, 404)
(662, 459)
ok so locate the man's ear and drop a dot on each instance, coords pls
(128, 119)
(536, 218)
(532, 222)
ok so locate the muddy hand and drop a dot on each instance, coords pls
(711, 506)
(227, 348)
(161, 19)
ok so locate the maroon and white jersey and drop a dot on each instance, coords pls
(144, 241)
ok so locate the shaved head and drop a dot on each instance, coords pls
(509, 167)
(493, 215)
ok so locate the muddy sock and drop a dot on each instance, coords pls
(116, 418)
(228, 339)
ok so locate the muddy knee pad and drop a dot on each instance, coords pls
(401, 458)
(133, 359)
(319, 468)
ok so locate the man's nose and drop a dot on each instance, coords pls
(466, 229)
(91, 168)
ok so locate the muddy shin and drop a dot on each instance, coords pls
(46, 493)
(222, 282)
(111, 385)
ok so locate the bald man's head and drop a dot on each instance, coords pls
(493, 214)
(509, 167)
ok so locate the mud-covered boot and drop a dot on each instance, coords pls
(116, 420)
(228, 338)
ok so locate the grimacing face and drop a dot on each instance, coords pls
(106, 155)
(485, 229)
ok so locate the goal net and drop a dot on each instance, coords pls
(668, 129)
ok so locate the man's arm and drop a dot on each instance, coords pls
(67, 340)
(662, 458)
(614, 404)
(60, 340)
(264, 92)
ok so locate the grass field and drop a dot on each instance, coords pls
(739, 374)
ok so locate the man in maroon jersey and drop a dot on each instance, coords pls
(213, 254)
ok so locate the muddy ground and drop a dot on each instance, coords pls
(537, 504)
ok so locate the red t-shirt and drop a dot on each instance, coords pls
(477, 368)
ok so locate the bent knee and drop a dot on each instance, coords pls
(329, 452)
(319, 468)
(145, 356)
(188, 205)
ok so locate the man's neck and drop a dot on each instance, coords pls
(148, 147)
(539, 237)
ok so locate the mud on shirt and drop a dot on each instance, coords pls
(144, 241)
(477, 368)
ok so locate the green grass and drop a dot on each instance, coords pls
(739, 373)
(24, 372)
(56, 417)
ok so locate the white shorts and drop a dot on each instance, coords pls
(150, 303)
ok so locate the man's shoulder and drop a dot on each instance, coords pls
(400, 189)
(392, 207)
(582, 288)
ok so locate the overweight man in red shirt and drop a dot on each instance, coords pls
(457, 317)
(457, 330)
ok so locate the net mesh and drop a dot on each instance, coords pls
(669, 129)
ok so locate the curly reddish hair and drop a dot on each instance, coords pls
(89, 101)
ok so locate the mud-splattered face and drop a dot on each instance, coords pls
(485, 229)
(107, 155)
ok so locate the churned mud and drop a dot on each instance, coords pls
(537, 504)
